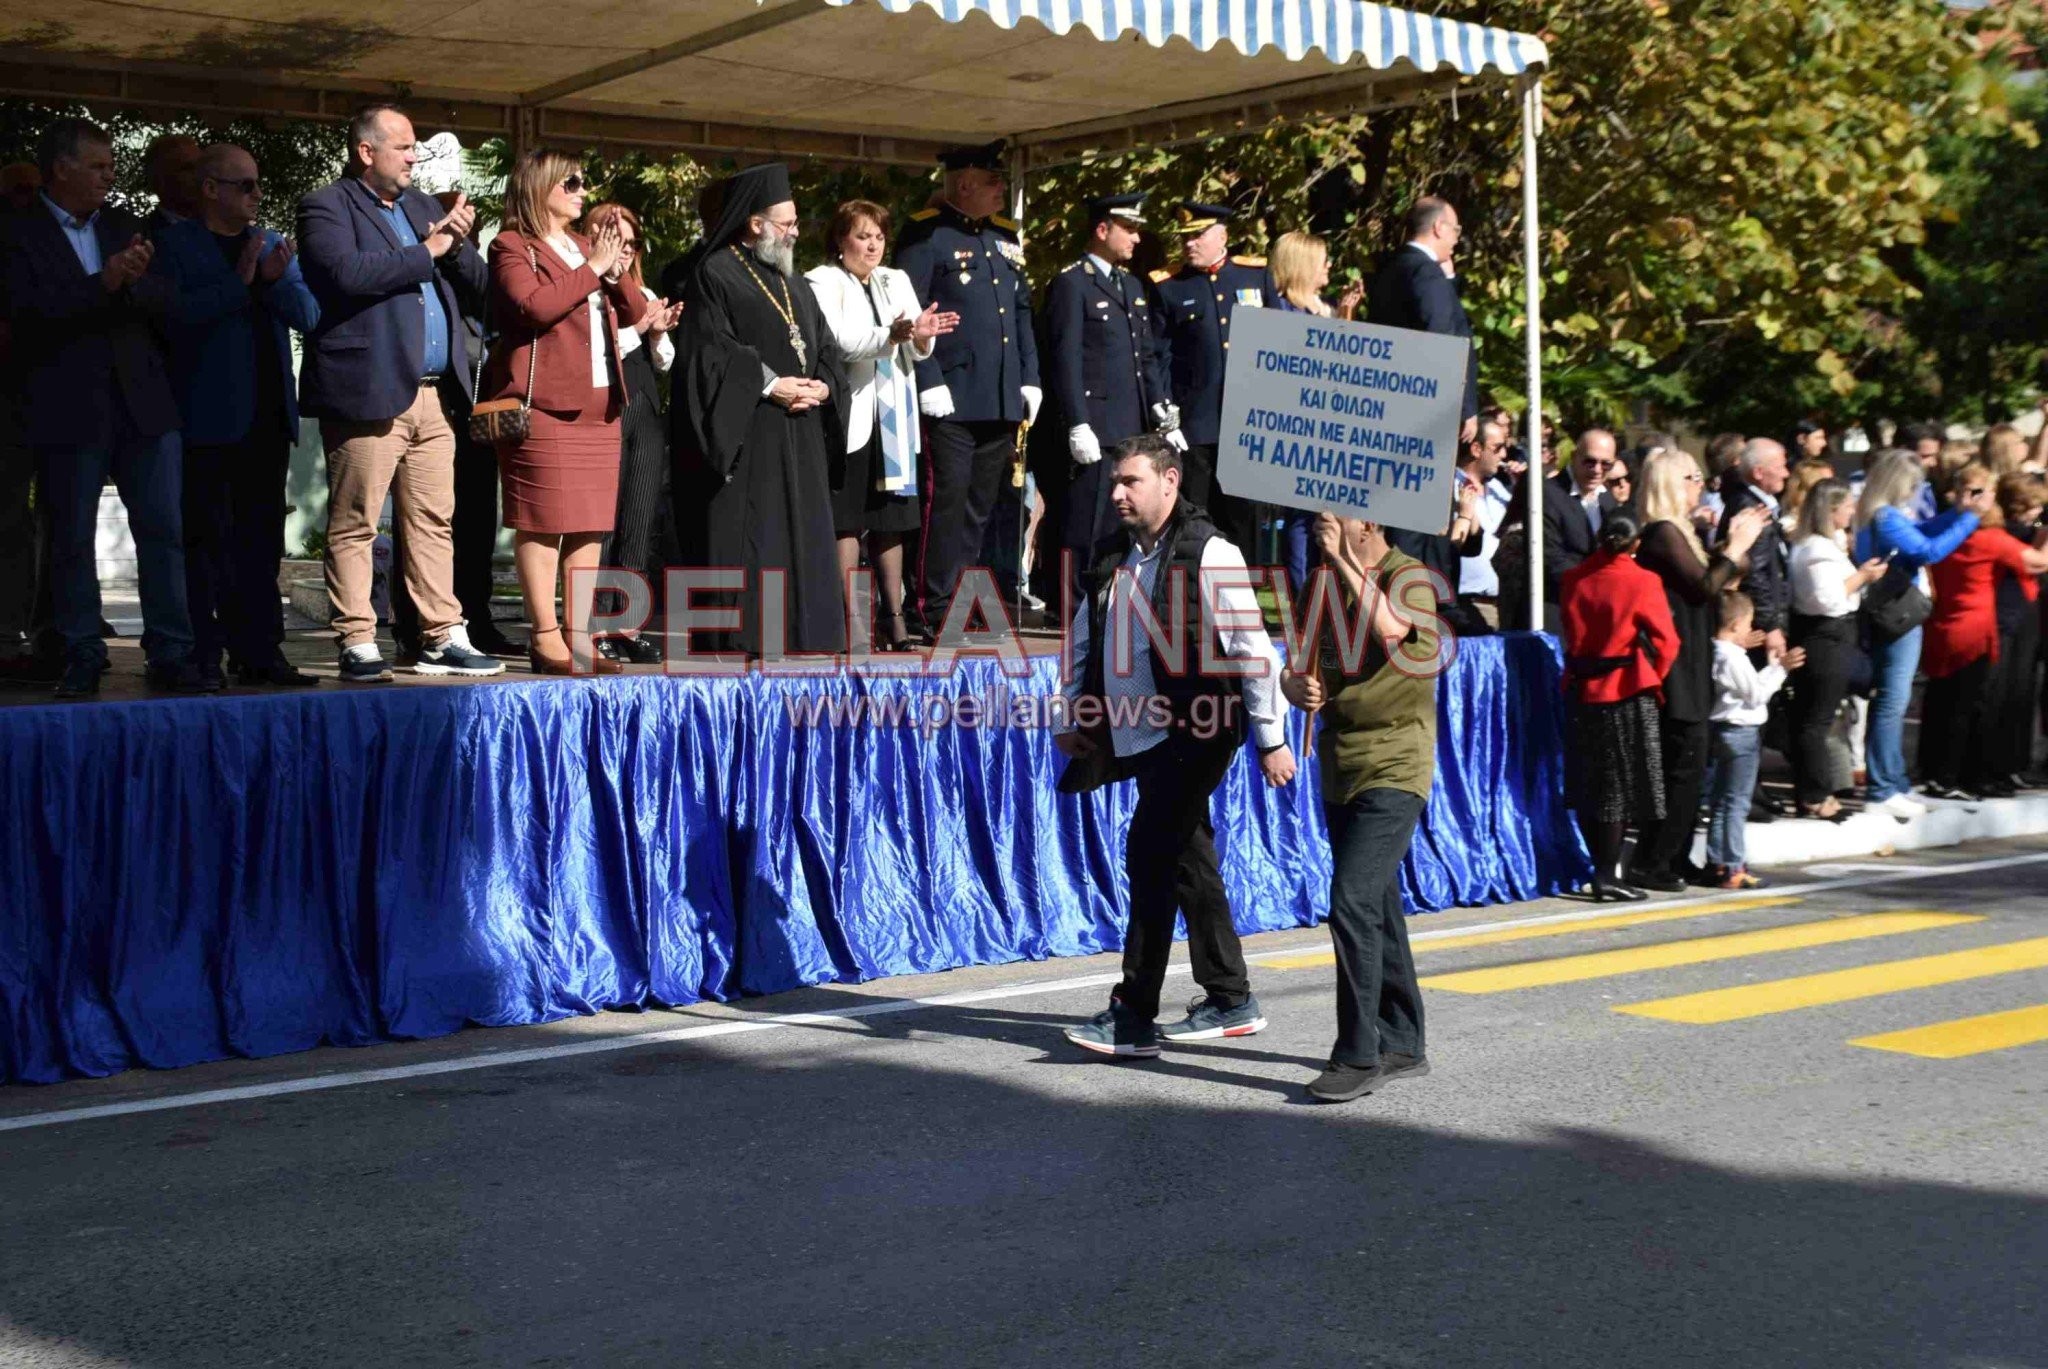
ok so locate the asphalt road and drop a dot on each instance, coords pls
(950, 1184)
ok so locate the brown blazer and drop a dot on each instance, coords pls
(548, 306)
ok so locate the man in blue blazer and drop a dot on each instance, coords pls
(96, 402)
(384, 368)
(239, 293)
(1417, 290)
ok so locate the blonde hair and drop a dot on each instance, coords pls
(1817, 514)
(2005, 450)
(1894, 478)
(1295, 260)
(533, 179)
(1661, 495)
(1805, 476)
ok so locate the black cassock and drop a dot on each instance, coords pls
(752, 480)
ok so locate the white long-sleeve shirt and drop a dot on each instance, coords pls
(1820, 578)
(1742, 693)
(1240, 628)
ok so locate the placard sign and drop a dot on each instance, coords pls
(1352, 418)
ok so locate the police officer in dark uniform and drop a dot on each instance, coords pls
(1191, 310)
(981, 380)
(1103, 369)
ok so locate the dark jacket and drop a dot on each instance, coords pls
(974, 268)
(1102, 369)
(1191, 312)
(1767, 579)
(1567, 534)
(214, 352)
(364, 361)
(79, 352)
(1412, 291)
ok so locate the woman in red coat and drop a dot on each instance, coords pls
(1960, 646)
(557, 300)
(1619, 644)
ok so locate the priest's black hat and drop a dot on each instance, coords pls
(1123, 207)
(987, 156)
(725, 206)
(1192, 218)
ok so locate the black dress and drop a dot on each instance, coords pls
(858, 506)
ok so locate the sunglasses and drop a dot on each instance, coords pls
(574, 182)
(1973, 493)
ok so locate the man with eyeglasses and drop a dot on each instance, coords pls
(1575, 506)
(386, 374)
(240, 293)
(1418, 289)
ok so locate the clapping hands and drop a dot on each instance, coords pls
(926, 326)
(126, 266)
(607, 248)
(453, 227)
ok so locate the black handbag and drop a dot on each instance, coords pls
(1896, 604)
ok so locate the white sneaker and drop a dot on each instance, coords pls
(1903, 808)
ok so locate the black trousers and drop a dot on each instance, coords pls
(2011, 749)
(234, 497)
(474, 528)
(1170, 858)
(1817, 691)
(18, 539)
(1664, 845)
(1954, 726)
(1379, 1004)
(966, 466)
(1237, 519)
(640, 524)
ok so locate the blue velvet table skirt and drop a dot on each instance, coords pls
(188, 880)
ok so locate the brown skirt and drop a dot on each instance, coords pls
(565, 476)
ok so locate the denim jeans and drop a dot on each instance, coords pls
(148, 473)
(1884, 744)
(1731, 780)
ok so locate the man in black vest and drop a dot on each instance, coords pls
(1174, 726)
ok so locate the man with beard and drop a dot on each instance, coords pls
(749, 414)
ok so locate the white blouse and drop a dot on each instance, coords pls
(1820, 576)
(663, 353)
(600, 375)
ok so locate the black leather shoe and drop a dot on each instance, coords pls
(1658, 884)
(276, 671)
(80, 680)
(630, 650)
(1605, 891)
(491, 642)
(210, 672)
(179, 677)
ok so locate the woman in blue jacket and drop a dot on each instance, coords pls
(1884, 528)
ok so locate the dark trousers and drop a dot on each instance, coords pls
(147, 472)
(1170, 858)
(2012, 744)
(1954, 726)
(18, 539)
(1817, 691)
(639, 526)
(1237, 519)
(234, 539)
(966, 466)
(474, 529)
(1664, 845)
(1379, 1004)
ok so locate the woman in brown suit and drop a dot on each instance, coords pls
(557, 300)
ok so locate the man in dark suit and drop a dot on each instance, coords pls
(97, 403)
(1758, 478)
(392, 273)
(1101, 369)
(1575, 506)
(981, 379)
(240, 292)
(170, 168)
(20, 185)
(1418, 289)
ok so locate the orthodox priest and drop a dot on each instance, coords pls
(758, 399)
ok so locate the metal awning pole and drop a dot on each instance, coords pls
(1533, 479)
(1017, 164)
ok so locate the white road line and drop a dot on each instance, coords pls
(493, 1059)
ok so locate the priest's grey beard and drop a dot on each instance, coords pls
(778, 252)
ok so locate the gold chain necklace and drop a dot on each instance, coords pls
(786, 306)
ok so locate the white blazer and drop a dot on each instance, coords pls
(861, 341)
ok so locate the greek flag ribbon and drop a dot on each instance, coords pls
(898, 422)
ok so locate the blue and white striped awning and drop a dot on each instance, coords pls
(1341, 30)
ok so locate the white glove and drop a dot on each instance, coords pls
(1176, 441)
(937, 402)
(1083, 445)
(1033, 397)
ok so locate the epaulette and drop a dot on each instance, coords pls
(1072, 266)
(1162, 274)
(1249, 261)
(1008, 225)
(921, 215)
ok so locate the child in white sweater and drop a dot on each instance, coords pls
(1742, 700)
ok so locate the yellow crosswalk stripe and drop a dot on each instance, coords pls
(1501, 935)
(1698, 951)
(1841, 986)
(1994, 1031)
